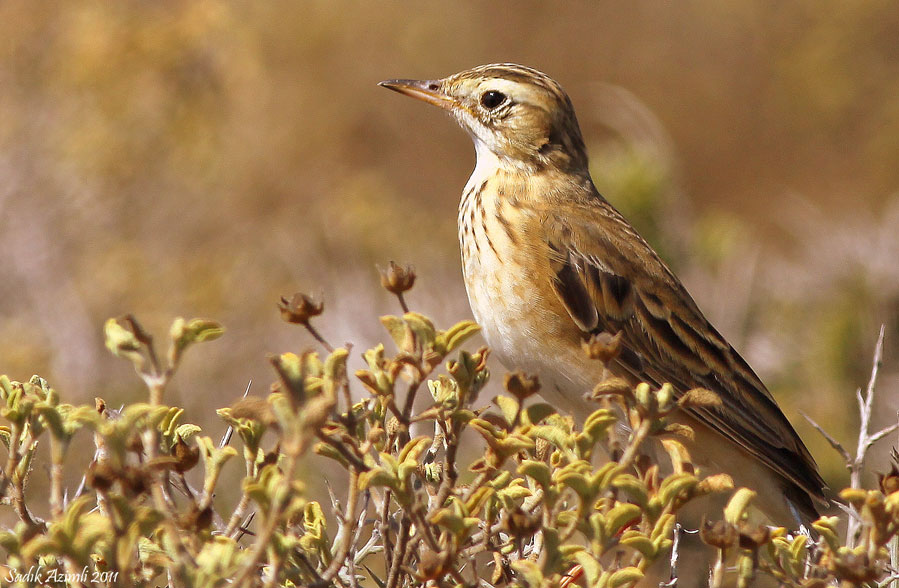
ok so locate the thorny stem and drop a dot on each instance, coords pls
(56, 507)
(865, 407)
(234, 521)
(675, 552)
(865, 440)
(350, 420)
(384, 525)
(351, 556)
(156, 383)
(349, 521)
(716, 578)
(449, 468)
(18, 482)
(274, 519)
(410, 399)
(639, 435)
(399, 554)
(419, 518)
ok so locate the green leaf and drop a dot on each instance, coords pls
(455, 519)
(456, 335)
(422, 327)
(797, 548)
(592, 568)
(595, 428)
(625, 576)
(412, 450)
(537, 412)
(528, 573)
(639, 542)
(327, 450)
(335, 364)
(508, 406)
(122, 342)
(555, 433)
(537, 470)
(663, 527)
(186, 431)
(577, 482)
(676, 484)
(622, 514)
(377, 476)
(737, 505)
(196, 330)
(52, 420)
(634, 487)
(397, 330)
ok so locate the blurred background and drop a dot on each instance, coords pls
(202, 158)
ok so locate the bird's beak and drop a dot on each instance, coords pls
(426, 90)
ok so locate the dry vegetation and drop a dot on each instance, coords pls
(201, 158)
(543, 501)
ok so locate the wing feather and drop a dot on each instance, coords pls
(609, 279)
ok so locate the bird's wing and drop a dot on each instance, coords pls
(609, 279)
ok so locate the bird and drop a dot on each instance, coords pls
(548, 262)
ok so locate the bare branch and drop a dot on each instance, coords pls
(833, 442)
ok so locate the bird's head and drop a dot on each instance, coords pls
(515, 113)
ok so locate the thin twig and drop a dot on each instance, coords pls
(402, 299)
(244, 528)
(314, 332)
(341, 448)
(833, 442)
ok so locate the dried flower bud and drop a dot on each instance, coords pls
(754, 536)
(397, 279)
(100, 476)
(186, 457)
(270, 458)
(134, 443)
(603, 346)
(299, 309)
(521, 386)
(135, 481)
(720, 534)
(521, 524)
(195, 520)
(433, 565)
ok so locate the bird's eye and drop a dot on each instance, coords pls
(491, 99)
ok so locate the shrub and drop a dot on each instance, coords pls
(531, 509)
